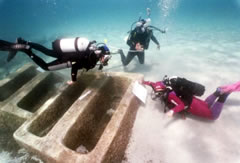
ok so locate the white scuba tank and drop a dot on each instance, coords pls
(78, 44)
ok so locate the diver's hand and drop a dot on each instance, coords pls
(158, 47)
(70, 82)
(170, 113)
(164, 31)
(138, 47)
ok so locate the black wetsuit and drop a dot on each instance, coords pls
(87, 59)
(134, 38)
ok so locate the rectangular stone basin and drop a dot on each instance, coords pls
(95, 114)
(15, 81)
(46, 120)
(44, 90)
(24, 92)
(92, 122)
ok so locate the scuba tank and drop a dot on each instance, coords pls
(185, 89)
(78, 44)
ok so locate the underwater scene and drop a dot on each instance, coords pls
(201, 42)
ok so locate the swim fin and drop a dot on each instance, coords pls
(20, 45)
(11, 55)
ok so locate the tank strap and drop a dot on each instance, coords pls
(76, 45)
(90, 44)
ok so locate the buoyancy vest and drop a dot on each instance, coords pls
(142, 38)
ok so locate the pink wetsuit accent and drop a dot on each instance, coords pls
(197, 107)
(200, 108)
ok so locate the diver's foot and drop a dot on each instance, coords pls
(20, 47)
(223, 97)
(218, 92)
(225, 89)
(20, 40)
(231, 87)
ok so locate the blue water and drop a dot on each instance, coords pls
(35, 18)
(202, 32)
(45, 20)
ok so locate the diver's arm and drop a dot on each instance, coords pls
(114, 52)
(130, 40)
(160, 30)
(149, 83)
(74, 72)
(179, 105)
(153, 38)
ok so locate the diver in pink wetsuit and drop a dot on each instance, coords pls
(210, 108)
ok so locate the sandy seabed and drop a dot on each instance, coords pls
(157, 138)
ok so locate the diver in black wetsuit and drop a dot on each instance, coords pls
(138, 41)
(77, 53)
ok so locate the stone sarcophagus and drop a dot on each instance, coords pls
(24, 92)
(89, 121)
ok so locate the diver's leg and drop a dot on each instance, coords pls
(39, 61)
(141, 57)
(123, 58)
(211, 98)
(216, 108)
(48, 52)
(38, 47)
(128, 59)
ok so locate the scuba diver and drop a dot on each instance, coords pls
(171, 92)
(139, 39)
(76, 53)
